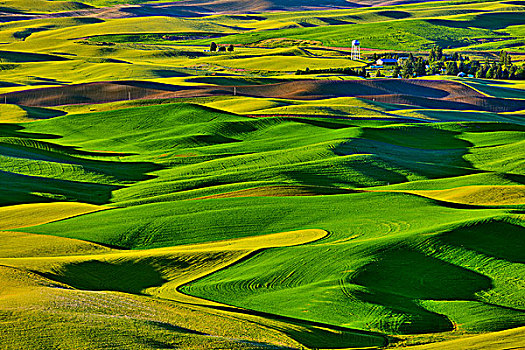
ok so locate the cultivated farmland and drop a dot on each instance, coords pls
(268, 192)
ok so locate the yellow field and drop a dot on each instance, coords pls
(25, 215)
(35, 302)
(504, 340)
(12, 114)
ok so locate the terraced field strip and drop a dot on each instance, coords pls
(280, 191)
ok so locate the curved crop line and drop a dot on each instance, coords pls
(288, 321)
(241, 259)
(473, 88)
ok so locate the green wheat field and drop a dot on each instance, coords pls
(222, 175)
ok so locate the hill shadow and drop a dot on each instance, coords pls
(399, 277)
(34, 189)
(24, 57)
(492, 21)
(104, 176)
(8, 84)
(395, 14)
(498, 239)
(42, 113)
(122, 276)
(14, 130)
(396, 152)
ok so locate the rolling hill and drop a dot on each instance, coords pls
(157, 195)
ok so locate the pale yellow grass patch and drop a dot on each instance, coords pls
(25, 215)
(507, 339)
(21, 244)
(12, 114)
(478, 195)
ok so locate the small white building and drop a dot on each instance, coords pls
(386, 62)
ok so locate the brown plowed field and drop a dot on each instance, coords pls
(432, 94)
(101, 92)
(199, 8)
(315, 89)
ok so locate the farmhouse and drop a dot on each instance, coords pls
(386, 61)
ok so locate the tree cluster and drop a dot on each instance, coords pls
(502, 69)
(394, 55)
(347, 71)
(410, 67)
(214, 47)
(439, 63)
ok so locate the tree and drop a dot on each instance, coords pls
(474, 67)
(396, 71)
(520, 73)
(480, 73)
(439, 53)
(222, 48)
(407, 70)
(490, 73)
(213, 46)
(419, 67)
(452, 68)
(362, 72)
(504, 58)
(505, 74)
(378, 74)
(462, 67)
(230, 48)
(432, 55)
(512, 72)
(432, 69)
(498, 72)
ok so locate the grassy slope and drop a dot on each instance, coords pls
(188, 151)
(508, 339)
(49, 315)
(157, 273)
(437, 265)
(411, 26)
(35, 214)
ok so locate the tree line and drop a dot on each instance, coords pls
(214, 47)
(439, 63)
(361, 72)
